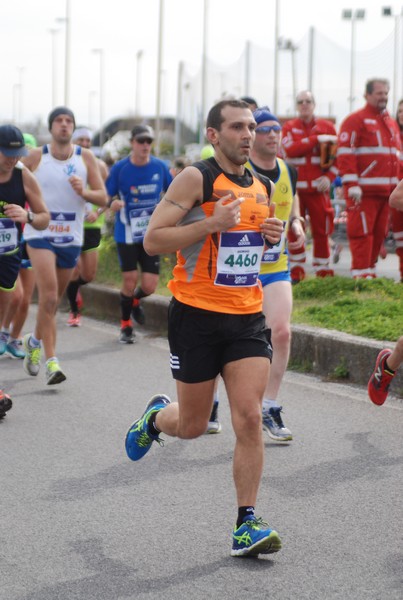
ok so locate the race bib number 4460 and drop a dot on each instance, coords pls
(239, 257)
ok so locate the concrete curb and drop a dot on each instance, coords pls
(327, 353)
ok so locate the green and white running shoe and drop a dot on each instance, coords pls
(54, 374)
(32, 359)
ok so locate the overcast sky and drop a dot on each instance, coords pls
(122, 28)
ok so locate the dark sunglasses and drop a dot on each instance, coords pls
(144, 141)
(304, 101)
(268, 128)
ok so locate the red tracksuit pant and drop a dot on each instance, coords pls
(366, 227)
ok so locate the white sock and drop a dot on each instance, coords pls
(267, 403)
(33, 342)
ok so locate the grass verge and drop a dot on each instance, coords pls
(367, 308)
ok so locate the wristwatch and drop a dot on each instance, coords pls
(30, 216)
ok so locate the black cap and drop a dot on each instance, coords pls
(12, 141)
(142, 131)
(60, 110)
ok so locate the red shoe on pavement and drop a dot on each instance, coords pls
(5, 403)
(74, 320)
(378, 385)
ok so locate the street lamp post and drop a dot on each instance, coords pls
(139, 56)
(247, 68)
(204, 72)
(179, 110)
(53, 33)
(16, 102)
(20, 88)
(289, 45)
(352, 15)
(159, 79)
(387, 12)
(276, 56)
(67, 21)
(91, 95)
(100, 52)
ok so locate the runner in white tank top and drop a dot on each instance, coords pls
(69, 177)
(66, 206)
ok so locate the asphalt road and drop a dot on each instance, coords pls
(80, 521)
(386, 267)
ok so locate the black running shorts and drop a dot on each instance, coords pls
(201, 342)
(131, 256)
(9, 269)
(92, 239)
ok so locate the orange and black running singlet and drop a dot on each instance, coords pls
(220, 272)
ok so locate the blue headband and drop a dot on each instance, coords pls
(263, 114)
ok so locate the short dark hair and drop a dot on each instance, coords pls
(180, 162)
(369, 86)
(249, 100)
(215, 118)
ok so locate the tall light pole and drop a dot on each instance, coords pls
(16, 102)
(352, 15)
(20, 88)
(247, 68)
(289, 45)
(139, 56)
(311, 54)
(204, 73)
(67, 21)
(91, 95)
(276, 55)
(53, 33)
(387, 11)
(159, 78)
(100, 52)
(179, 110)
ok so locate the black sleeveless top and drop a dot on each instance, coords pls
(13, 192)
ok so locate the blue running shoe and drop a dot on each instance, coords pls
(15, 349)
(254, 537)
(138, 439)
(3, 342)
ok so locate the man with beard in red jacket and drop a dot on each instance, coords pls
(368, 161)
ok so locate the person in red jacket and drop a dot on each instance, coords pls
(309, 143)
(368, 161)
(396, 215)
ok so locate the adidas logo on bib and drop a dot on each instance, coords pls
(244, 241)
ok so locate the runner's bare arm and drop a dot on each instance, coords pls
(186, 190)
(96, 192)
(35, 201)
